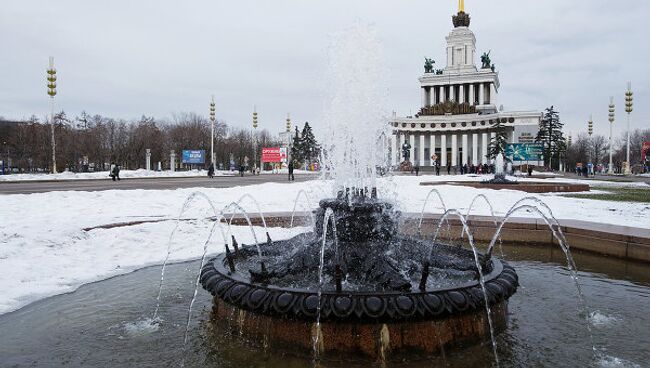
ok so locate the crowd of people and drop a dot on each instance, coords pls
(464, 169)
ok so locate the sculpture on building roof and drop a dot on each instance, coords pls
(462, 19)
(428, 65)
(485, 59)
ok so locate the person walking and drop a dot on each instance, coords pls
(242, 168)
(211, 171)
(448, 169)
(417, 170)
(116, 172)
(290, 167)
(437, 168)
(110, 171)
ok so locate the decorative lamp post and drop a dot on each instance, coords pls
(629, 102)
(254, 139)
(611, 124)
(288, 125)
(51, 91)
(212, 120)
(590, 131)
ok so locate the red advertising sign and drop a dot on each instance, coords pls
(645, 152)
(271, 155)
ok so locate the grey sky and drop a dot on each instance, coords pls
(127, 58)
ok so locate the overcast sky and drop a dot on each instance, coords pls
(125, 58)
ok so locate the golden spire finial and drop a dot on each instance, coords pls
(461, 6)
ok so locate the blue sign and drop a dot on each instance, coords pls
(193, 156)
(524, 151)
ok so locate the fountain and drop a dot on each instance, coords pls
(377, 291)
(500, 173)
(355, 283)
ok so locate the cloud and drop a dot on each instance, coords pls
(127, 58)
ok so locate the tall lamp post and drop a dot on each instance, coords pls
(288, 126)
(254, 139)
(628, 108)
(212, 120)
(611, 124)
(51, 91)
(590, 131)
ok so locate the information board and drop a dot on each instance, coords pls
(194, 157)
(273, 154)
(524, 151)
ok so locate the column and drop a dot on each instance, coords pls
(484, 148)
(424, 97)
(422, 158)
(172, 161)
(432, 147)
(472, 98)
(481, 94)
(493, 94)
(402, 140)
(475, 149)
(454, 150)
(443, 94)
(451, 92)
(461, 93)
(463, 155)
(412, 142)
(443, 150)
(492, 136)
(394, 156)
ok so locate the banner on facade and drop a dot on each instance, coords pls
(273, 154)
(194, 157)
(524, 151)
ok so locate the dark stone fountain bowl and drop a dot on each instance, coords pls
(376, 295)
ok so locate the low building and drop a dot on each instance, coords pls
(459, 108)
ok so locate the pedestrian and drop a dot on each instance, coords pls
(448, 169)
(530, 170)
(437, 168)
(116, 172)
(110, 171)
(417, 170)
(242, 168)
(290, 167)
(211, 171)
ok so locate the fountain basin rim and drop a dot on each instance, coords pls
(359, 306)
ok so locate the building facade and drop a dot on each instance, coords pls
(460, 106)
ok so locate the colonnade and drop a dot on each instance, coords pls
(472, 93)
(451, 149)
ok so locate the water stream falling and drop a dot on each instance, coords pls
(318, 334)
(571, 265)
(493, 216)
(481, 279)
(295, 203)
(259, 210)
(185, 206)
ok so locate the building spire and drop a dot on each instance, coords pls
(462, 19)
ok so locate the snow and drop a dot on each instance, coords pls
(45, 251)
(103, 175)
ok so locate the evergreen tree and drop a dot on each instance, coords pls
(498, 142)
(296, 147)
(550, 135)
(309, 148)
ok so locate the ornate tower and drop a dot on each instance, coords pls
(461, 43)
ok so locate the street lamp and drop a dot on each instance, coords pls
(628, 108)
(288, 125)
(590, 131)
(212, 120)
(611, 124)
(51, 91)
(254, 139)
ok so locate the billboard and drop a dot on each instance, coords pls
(645, 152)
(524, 151)
(193, 156)
(273, 154)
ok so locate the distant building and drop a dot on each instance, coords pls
(459, 107)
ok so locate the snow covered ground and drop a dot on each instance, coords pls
(124, 174)
(45, 251)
